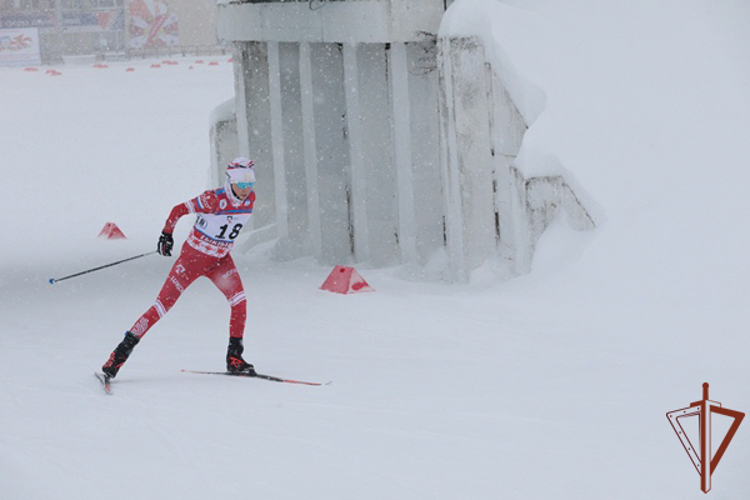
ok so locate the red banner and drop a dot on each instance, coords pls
(152, 25)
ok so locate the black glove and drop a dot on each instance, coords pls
(164, 247)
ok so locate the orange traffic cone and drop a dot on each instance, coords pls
(111, 232)
(345, 280)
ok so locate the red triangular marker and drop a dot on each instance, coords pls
(111, 232)
(345, 280)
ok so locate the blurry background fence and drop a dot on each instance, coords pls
(169, 51)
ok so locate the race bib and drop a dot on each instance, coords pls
(224, 228)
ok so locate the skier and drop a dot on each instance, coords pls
(221, 214)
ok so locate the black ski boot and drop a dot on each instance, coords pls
(120, 355)
(235, 364)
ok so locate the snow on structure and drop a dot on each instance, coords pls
(377, 141)
(223, 138)
(490, 207)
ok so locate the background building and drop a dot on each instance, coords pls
(111, 27)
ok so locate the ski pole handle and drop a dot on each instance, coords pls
(52, 281)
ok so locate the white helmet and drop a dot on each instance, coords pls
(240, 170)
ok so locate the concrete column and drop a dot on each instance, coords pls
(223, 138)
(258, 138)
(454, 229)
(298, 242)
(377, 146)
(241, 63)
(507, 128)
(425, 150)
(401, 110)
(332, 152)
(310, 153)
(466, 155)
(277, 140)
(357, 172)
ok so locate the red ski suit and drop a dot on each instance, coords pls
(220, 217)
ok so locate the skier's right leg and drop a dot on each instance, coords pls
(226, 277)
(120, 355)
(188, 267)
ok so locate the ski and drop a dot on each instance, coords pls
(106, 382)
(257, 375)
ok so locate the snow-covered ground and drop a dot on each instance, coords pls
(553, 385)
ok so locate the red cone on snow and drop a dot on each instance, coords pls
(111, 232)
(345, 280)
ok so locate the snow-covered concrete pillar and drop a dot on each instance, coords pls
(357, 174)
(340, 107)
(277, 140)
(223, 138)
(466, 155)
(507, 128)
(401, 112)
(240, 98)
(310, 154)
(377, 153)
(425, 151)
(377, 142)
(332, 151)
(253, 119)
(297, 241)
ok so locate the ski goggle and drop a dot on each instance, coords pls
(244, 185)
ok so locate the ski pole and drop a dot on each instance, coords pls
(52, 281)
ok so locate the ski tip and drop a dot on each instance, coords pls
(105, 381)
